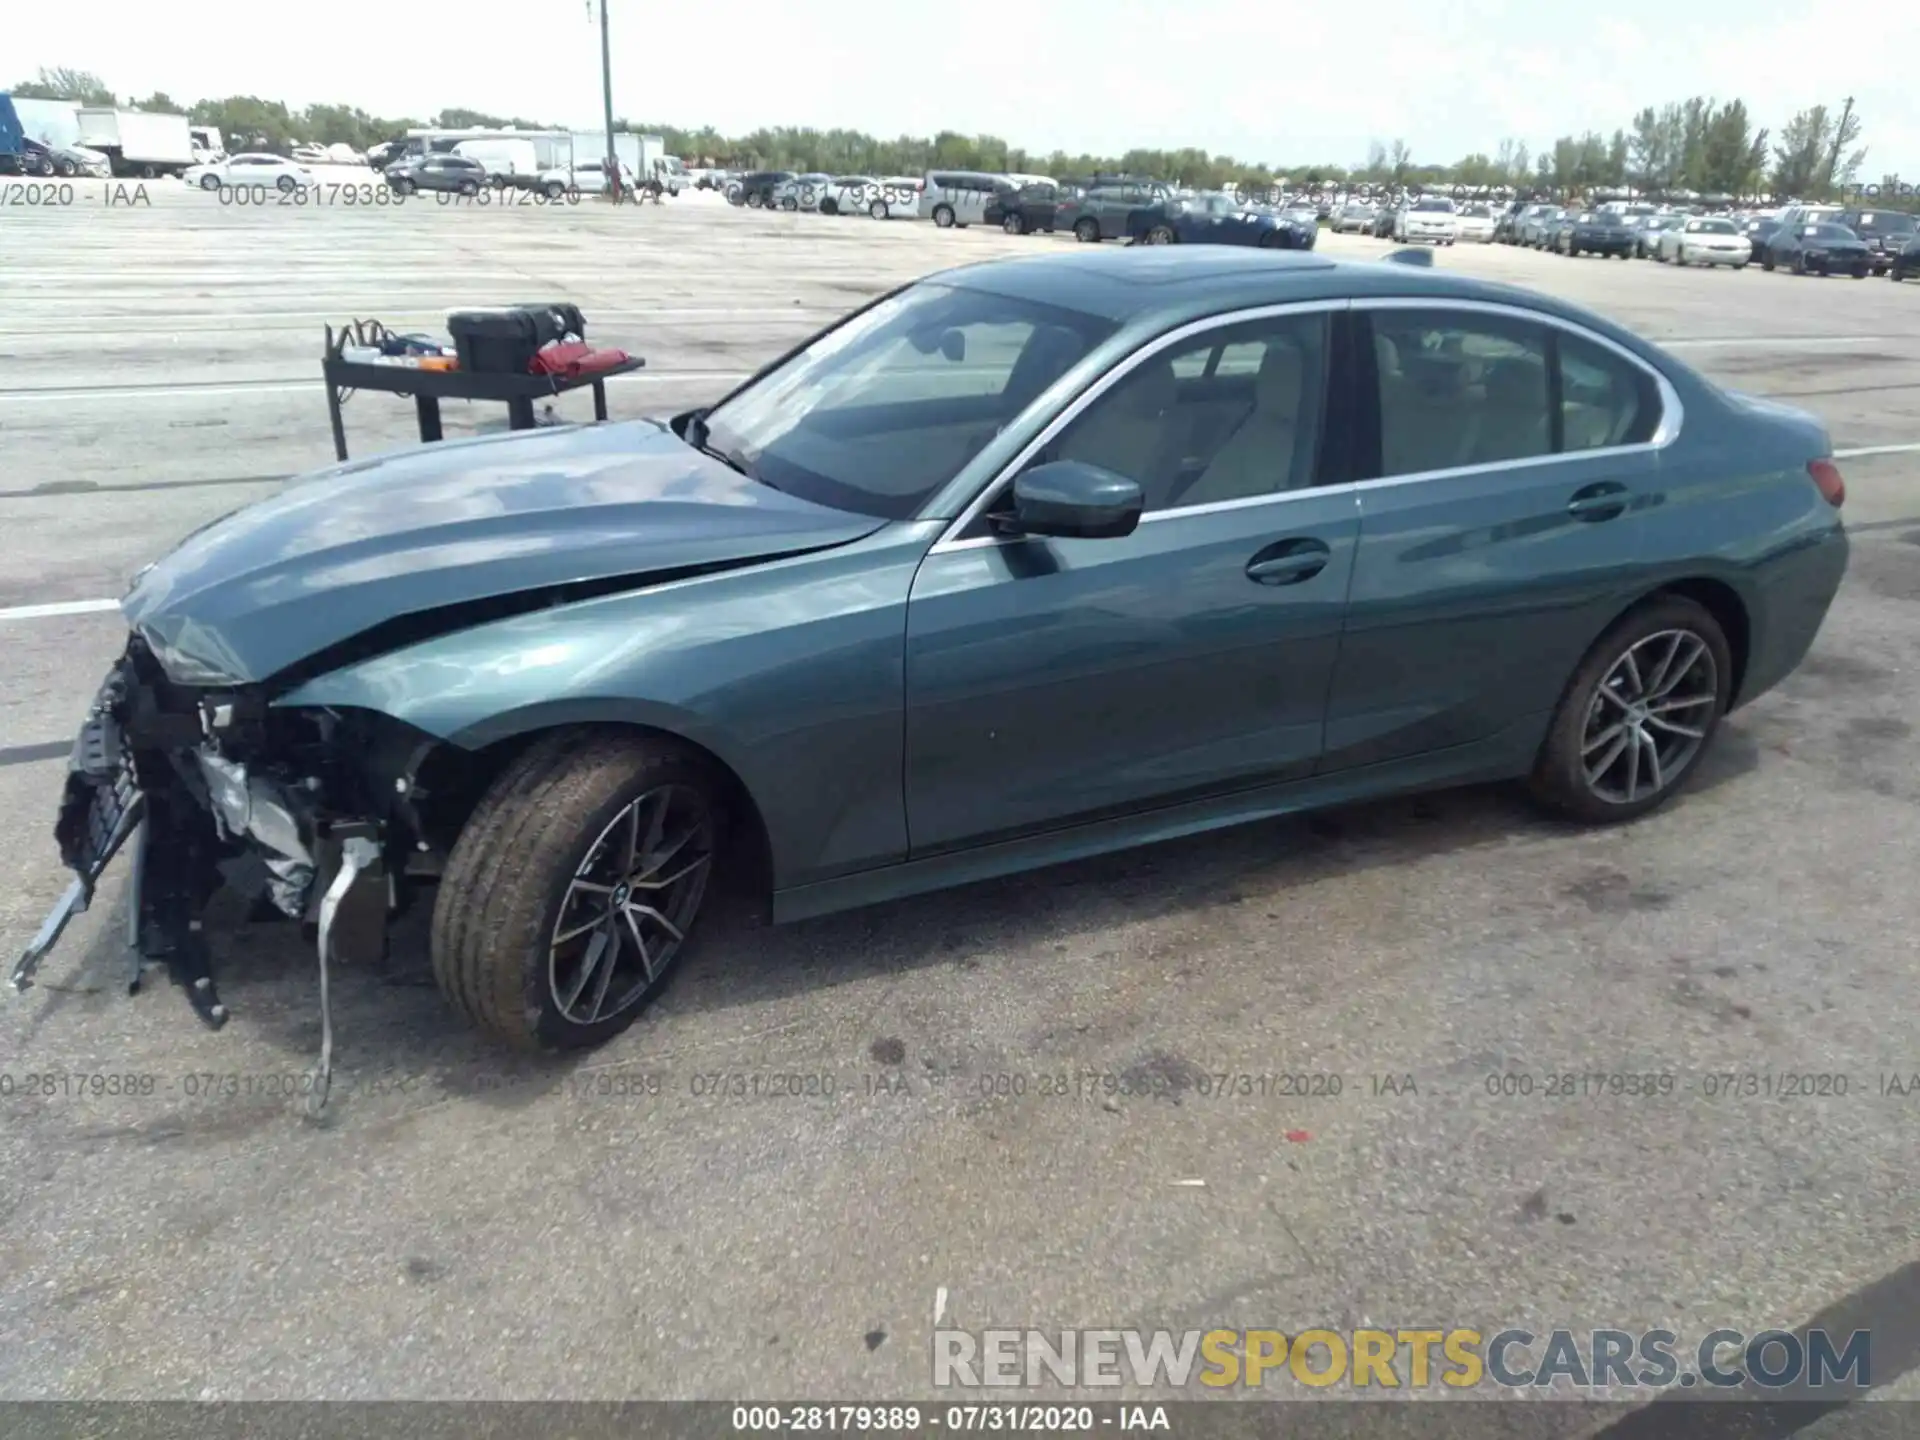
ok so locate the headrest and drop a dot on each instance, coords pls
(1282, 370)
(1152, 389)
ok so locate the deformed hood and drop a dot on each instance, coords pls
(346, 549)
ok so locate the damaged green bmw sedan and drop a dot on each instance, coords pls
(1022, 562)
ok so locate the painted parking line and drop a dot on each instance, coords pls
(58, 607)
(1865, 450)
(1734, 342)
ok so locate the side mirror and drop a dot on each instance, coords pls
(1071, 500)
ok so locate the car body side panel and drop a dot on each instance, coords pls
(790, 673)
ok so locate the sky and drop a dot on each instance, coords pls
(1265, 82)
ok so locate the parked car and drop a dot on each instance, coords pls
(1433, 218)
(1536, 224)
(250, 169)
(449, 174)
(959, 198)
(1216, 218)
(1907, 262)
(1122, 211)
(1356, 217)
(587, 177)
(1506, 227)
(1647, 230)
(1886, 233)
(1595, 232)
(803, 192)
(1033, 207)
(757, 187)
(1387, 222)
(1476, 223)
(847, 195)
(896, 197)
(311, 155)
(1822, 248)
(743, 660)
(1708, 241)
(70, 160)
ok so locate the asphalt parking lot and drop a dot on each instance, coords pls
(461, 1227)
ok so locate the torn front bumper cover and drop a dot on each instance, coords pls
(149, 774)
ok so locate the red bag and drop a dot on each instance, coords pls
(571, 359)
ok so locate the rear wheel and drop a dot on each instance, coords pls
(1014, 224)
(469, 187)
(573, 887)
(878, 209)
(1637, 715)
(1087, 231)
(1161, 235)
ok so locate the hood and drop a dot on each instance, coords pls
(449, 524)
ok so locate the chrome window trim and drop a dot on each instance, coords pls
(1080, 403)
(1672, 412)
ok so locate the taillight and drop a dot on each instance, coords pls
(919, 187)
(1826, 475)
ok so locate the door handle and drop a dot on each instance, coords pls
(1594, 503)
(1289, 562)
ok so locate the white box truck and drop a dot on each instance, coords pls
(144, 143)
(54, 123)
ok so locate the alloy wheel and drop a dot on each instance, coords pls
(1649, 717)
(628, 908)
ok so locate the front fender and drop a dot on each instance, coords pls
(791, 674)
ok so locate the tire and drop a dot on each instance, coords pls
(878, 210)
(943, 216)
(1896, 274)
(1766, 262)
(1273, 240)
(68, 170)
(1800, 263)
(554, 190)
(1161, 235)
(1014, 224)
(790, 203)
(209, 182)
(829, 206)
(1087, 231)
(469, 187)
(149, 172)
(755, 200)
(556, 815)
(1573, 251)
(286, 184)
(1561, 778)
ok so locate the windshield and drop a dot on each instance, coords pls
(1434, 206)
(1830, 232)
(1215, 204)
(880, 412)
(1713, 227)
(1477, 212)
(1882, 223)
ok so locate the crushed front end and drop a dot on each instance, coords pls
(196, 782)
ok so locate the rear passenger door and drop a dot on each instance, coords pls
(1501, 516)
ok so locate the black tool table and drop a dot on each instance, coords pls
(429, 387)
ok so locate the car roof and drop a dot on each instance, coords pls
(1158, 286)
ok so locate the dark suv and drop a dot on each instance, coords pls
(1030, 208)
(1885, 231)
(755, 189)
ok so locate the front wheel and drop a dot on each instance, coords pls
(1160, 235)
(209, 182)
(573, 887)
(943, 216)
(878, 209)
(1087, 232)
(1015, 224)
(1637, 715)
(469, 187)
(287, 184)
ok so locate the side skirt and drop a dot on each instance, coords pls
(1505, 756)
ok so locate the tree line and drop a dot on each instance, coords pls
(1696, 145)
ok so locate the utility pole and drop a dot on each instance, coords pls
(1839, 138)
(606, 95)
